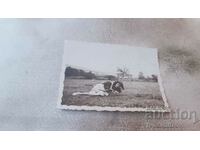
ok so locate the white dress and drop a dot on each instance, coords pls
(98, 89)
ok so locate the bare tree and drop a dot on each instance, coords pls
(123, 71)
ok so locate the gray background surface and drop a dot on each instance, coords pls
(30, 63)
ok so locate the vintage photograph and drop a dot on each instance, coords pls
(110, 77)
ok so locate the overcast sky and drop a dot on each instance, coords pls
(106, 58)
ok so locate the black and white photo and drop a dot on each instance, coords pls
(110, 77)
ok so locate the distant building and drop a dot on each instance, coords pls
(128, 77)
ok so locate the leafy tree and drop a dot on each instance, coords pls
(141, 75)
(70, 72)
(154, 77)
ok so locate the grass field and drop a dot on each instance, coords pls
(136, 94)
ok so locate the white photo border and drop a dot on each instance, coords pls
(107, 108)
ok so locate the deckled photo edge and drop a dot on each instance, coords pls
(106, 108)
